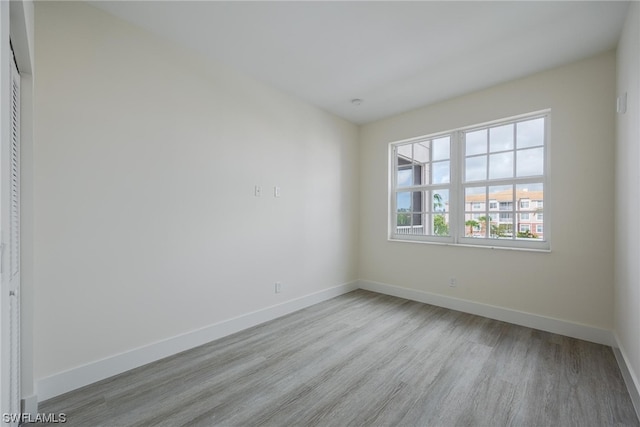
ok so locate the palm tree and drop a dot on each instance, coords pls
(437, 202)
(484, 219)
(472, 223)
(440, 226)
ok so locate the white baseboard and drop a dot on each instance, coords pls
(81, 376)
(30, 405)
(535, 321)
(630, 377)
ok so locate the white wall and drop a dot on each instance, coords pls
(574, 282)
(627, 249)
(146, 224)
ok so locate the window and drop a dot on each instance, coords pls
(539, 229)
(422, 182)
(473, 185)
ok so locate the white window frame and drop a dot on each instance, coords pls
(457, 187)
(420, 187)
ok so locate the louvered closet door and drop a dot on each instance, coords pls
(14, 244)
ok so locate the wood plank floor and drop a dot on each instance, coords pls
(365, 359)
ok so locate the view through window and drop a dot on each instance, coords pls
(481, 185)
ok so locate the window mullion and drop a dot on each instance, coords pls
(456, 198)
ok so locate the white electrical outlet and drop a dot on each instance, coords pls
(278, 287)
(453, 282)
(257, 191)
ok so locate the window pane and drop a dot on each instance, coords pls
(421, 152)
(441, 148)
(502, 221)
(417, 202)
(525, 231)
(404, 151)
(530, 162)
(475, 225)
(405, 177)
(530, 224)
(403, 219)
(504, 230)
(501, 138)
(476, 168)
(410, 224)
(403, 201)
(440, 224)
(528, 195)
(476, 218)
(475, 199)
(501, 165)
(440, 201)
(503, 194)
(530, 133)
(476, 142)
(409, 218)
(441, 173)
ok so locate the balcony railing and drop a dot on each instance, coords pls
(410, 229)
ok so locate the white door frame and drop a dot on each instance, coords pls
(9, 239)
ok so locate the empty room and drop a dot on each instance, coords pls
(320, 213)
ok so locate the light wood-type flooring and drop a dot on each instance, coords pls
(365, 359)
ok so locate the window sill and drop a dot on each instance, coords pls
(466, 245)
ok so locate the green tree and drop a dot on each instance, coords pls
(440, 226)
(526, 235)
(404, 218)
